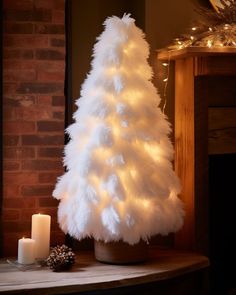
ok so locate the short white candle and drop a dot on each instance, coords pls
(40, 232)
(26, 251)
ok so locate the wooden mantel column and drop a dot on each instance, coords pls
(184, 146)
(193, 67)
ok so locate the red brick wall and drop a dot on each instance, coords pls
(33, 123)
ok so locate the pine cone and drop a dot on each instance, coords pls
(60, 258)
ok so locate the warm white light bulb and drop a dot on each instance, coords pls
(165, 64)
(209, 43)
(165, 80)
(133, 173)
(194, 28)
(146, 203)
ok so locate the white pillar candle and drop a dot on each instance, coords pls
(40, 232)
(26, 251)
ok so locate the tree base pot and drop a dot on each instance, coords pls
(120, 252)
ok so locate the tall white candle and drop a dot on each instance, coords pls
(40, 232)
(26, 251)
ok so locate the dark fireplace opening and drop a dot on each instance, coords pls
(222, 180)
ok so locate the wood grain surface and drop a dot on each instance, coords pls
(185, 147)
(89, 275)
(205, 124)
(164, 54)
(222, 130)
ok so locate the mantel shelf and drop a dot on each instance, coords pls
(89, 275)
(164, 54)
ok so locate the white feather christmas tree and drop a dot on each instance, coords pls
(119, 184)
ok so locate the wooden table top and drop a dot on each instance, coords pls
(88, 275)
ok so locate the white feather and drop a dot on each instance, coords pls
(113, 187)
(111, 220)
(116, 160)
(101, 136)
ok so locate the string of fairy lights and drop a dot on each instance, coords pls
(219, 36)
(216, 30)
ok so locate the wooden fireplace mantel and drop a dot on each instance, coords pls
(195, 51)
(205, 124)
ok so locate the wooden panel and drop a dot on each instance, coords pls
(222, 130)
(215, 65)
(184, 147)
(89, 275)
(218, 90)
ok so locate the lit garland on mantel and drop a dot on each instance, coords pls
(215, 36)
(214, 29)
